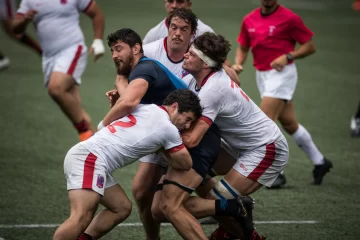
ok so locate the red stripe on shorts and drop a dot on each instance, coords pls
(89, 167)
(75, 60)
(265, 163)
(9, 8)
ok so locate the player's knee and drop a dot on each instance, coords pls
(290, 127)
(55, 91)
(223, 190)
(157, 213)
(142, 196)
(122, 210)
(82, 219)
(168, 208)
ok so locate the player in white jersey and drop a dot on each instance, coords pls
(249, 136)
(89, 164)
(161, 30)
(7, 14)
(64, 50)
(171, 49)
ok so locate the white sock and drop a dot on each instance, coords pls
(303, 139)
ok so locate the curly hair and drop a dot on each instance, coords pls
(214, 46)
(187, 15)
(127, 36)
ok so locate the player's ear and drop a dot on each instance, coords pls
(136, 49)
(189, 3)
(174, 106)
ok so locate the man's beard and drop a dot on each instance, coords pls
(124, 69)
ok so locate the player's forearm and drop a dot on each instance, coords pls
(184, 163)
(98, 23)
(241, 55)
(304, 50)
(121, 84)
(19, 25)
(232, 74)
(119, 110)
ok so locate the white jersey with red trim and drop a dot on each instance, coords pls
(241, 122)
(144, 131)
(161, 31)
(158, 50)
(56, 22)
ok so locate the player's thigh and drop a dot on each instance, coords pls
(66, 67)
(178, 185)
(146, 179)
(260, 166)
(225, 161)
(116, 200)
(287, 118)
(272, 107)
(83, 203)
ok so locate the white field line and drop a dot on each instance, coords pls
(138, 224)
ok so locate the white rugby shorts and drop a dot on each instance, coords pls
(155, 158)
(71, 61)
(83, 170)
(263, 164)
(276, 84)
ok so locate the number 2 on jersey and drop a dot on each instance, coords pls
(131, 123)
(234, 85)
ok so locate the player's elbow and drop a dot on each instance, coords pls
(127, 104)
(191, 143)
(185, 164)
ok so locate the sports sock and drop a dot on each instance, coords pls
(303, 139)
(84, 236)
(226, 207)
(81, 126)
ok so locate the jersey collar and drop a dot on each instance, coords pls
(204, 81)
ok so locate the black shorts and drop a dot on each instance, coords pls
(205, 154)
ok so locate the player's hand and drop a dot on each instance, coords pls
(237, 67)
(97, 48)
(279, 63)
(113, 96)
(29, 16)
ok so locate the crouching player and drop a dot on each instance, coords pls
(89, 164)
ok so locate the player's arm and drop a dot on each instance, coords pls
(304, 50)
(127, 101)
(193, 136)
(21, 21)
(232, 74)
(179, 159)
(242, 49)
(121, 83)
(98, 23)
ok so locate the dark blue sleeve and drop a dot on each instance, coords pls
(144, 70)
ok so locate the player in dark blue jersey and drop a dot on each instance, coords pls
(141, 80)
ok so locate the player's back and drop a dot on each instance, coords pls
(241, 122)
(57, 22)
(132, 137)
(161, 80)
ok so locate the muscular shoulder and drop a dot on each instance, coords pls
(145, 67)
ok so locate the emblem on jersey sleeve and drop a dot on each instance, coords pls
(184, 73)
(63, 1)
(100, 181)
(271, 30)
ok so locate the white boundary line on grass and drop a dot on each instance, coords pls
(138, 224)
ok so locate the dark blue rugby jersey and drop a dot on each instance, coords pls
(161, 81)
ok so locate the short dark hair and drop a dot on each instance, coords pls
(214, 46)
(187, 15)
(127, 36)
(187, 101)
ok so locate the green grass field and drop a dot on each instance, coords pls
(35, 135)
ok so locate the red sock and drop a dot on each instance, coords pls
(25, 39)
(81, 126)
(84, 236)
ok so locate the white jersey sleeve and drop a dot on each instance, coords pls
(157, 32)
(202, 28)
(83, 5)
(153, 49)
(172, 141)
(211, 101)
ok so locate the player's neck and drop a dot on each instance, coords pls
(268, 11)
(200, 76)
(136, 60)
